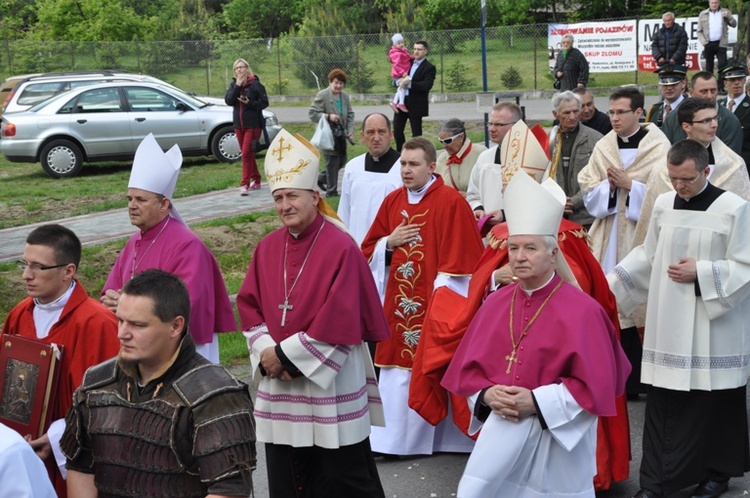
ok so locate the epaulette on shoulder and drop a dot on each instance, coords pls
(99, 375)
(205, 381)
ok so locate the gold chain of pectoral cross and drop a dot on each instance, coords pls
(513, 356)
(285, 306)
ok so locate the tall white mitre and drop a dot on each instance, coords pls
(156, 171)
(537, 209)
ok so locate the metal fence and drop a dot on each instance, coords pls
(517, 58)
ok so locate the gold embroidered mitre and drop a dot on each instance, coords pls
(291, 162)
(521, 150)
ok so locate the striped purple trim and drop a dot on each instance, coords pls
(320, 356)
(374, 400)
(257, 335)
(312, 419)
(372, 381)
(309, 400)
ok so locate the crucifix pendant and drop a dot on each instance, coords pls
(286, 306)
(511, 359)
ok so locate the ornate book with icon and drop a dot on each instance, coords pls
(29, 371)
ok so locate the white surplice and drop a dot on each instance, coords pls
(692, 342)
(362, 193)
(521, 459)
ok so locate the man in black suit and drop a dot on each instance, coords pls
(422, 76)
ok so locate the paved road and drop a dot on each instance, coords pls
(536, 109)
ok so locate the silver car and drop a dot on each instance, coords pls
(107, 122)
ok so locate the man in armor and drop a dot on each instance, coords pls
(159, 417)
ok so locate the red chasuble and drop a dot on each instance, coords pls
(335, 299)
(451, 315)
(449, 244)
(88, 333)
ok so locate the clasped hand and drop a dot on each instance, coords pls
(510, 402)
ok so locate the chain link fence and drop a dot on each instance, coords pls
(517, 58)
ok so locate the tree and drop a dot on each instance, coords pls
(89, 20)
(260, 19)
(409, 18)
(17, 18)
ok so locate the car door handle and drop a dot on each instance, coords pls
(140, 120)
(82, 121)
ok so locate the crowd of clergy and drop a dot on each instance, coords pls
(504, 302)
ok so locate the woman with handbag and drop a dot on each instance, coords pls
(334, 104)
(248, 97)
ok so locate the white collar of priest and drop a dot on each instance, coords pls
(415, 195)
(545, 284)
(631, 141)
(58, 303)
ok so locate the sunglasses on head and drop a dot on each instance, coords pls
(449, 140)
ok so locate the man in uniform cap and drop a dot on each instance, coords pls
(307, 306)
(672, 84)
(734, 75)
(165, 242)
(540, 363)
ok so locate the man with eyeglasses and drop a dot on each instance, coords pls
(703, 85)
(694, 273)
(698, 118)
(571, 145)
(456, 163)
(613, 185)
(485, 190)
(58, 310)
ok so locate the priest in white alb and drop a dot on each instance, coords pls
(693, 270)
(540, 363)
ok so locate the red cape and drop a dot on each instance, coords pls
(450, 314)
(87, 332)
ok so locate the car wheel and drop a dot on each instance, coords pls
(224, 145)
(61, 159)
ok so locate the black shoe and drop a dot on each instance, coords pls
(645, 493)
(332, 194)
(710, 488)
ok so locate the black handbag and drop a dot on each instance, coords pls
(557, 84)
(257, 145)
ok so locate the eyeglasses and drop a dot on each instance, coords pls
(449, 140)
(706, 121)
(683, 181)
(619, 112)
(240, 67)
(36, 267)
(498, 124)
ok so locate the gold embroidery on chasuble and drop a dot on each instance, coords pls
(410, 305)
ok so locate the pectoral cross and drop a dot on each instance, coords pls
(286, 306)
(511, 359)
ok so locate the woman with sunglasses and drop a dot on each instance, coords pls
(460, 154)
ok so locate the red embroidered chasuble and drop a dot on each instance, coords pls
(449, 243)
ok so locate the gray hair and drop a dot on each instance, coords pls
(563, 98)
(453, 126)
(567, 37)
(668, 14)
(551, 242)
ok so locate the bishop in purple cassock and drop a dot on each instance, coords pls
(165, 242)
(307, 306)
